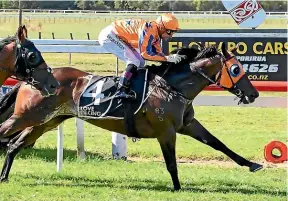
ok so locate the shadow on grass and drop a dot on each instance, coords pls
(153, 185)
(50, 154)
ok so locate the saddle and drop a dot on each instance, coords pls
(98, 97)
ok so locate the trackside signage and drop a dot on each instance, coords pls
(246, 13)
(263, 53)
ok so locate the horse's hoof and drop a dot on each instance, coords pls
(255, 167)
(3, 179)
(177, 188)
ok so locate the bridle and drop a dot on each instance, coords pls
(25, 64)
(216, 81)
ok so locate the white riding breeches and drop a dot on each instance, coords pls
(112, 43)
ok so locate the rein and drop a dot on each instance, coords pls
(149, 93)
(187, 100)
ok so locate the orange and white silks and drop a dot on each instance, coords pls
(142, 35)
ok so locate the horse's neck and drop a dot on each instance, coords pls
(182, 79)
(188, 83)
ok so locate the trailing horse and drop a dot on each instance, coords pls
(21, 60)
(163, 106)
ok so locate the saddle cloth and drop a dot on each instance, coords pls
(98, 97)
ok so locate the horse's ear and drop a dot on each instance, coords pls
(223, 49)
(201, 46)
(25, 32)
(20, 34)
(235, 48)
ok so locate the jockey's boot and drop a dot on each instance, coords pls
(124, 83)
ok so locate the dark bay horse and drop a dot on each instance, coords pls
(166, 110)
(20, 59)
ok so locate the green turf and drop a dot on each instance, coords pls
(35, 179)
(244, 130)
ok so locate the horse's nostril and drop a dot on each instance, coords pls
(53, 86)
(255, 95)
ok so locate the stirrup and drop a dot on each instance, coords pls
(133, 93)
(123, 95)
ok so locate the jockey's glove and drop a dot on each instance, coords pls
(175, 58)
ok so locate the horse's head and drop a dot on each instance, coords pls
(233, 78)
(227, 72)
(20, 59)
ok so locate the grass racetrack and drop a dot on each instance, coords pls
(205, 174)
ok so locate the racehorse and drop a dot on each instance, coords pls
(163, 108)
(27, 65)
(21, 60)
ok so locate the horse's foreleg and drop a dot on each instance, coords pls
(167, 143)
(197, 131)
(24, 139)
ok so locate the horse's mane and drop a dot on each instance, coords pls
(191, 53)
(207, 52)
(6, 41)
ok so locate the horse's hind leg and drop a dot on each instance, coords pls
(197, 131)
(167, 143)
(24, 139)
(11, 126)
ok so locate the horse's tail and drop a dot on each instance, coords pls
(7, 103)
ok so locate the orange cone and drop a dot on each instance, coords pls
(273, 158)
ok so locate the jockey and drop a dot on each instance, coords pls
(136, 40)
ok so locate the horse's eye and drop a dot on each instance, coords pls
(235, 70)
(31, 58)
(31, 55)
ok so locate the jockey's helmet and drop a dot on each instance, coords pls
(169, 22)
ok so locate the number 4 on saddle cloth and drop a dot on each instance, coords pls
(98, 97)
